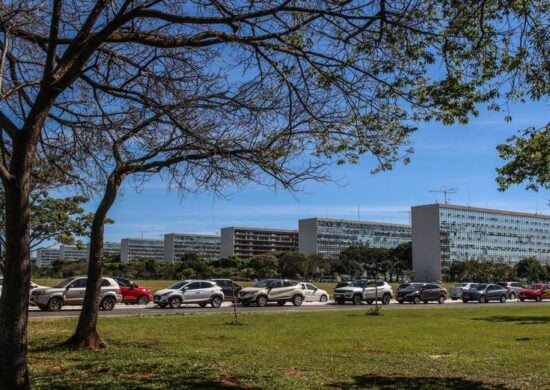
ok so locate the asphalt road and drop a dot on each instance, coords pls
(227, 307)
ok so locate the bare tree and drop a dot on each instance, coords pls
(304, 82)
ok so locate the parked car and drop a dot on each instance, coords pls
(421, 292)
(273, 290)
(71, 292)
(457, 289)
(536, 292)
(314, 293)
(132, 293)
(483, 293)
(228, 287)
(201, 292)
(343, 284)
(364, 290)
(513, 288)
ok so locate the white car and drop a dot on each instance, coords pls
(199, 292)
(314, 293)
(364, 290)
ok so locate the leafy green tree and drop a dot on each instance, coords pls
(528, 156)
(292, 265)
(530, 269)
(263, 266)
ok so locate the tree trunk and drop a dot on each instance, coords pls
(86, 335)
(15, 291)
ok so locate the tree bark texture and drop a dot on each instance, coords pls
(86, 335)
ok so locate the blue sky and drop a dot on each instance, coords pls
(459, 156)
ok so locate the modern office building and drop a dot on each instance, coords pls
(111, 249)
(73, 252)
(205, 246)
(247, 242)
(141, 248)
(443, 233)
(328, 237)
(45, 256)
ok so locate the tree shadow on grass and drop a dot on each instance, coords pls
(522, 320)
(413, 383)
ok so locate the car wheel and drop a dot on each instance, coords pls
(108, 303)
(441, 300)
(340, 301)
(356, 300)
(482, 299)
(538, 298)
(55, 304)
(175, 302)
(297, 300)
(281, 303)
(416, 300)
(261, 301)
(143, 300)
(465, 300)
(503, 299)
(512, 295)
(323, 298)
(386, 299)
(216, 302)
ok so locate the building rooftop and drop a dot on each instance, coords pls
(356, 221)
(487, 210)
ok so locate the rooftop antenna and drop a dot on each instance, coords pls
(446, 191)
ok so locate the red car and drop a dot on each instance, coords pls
(132, 293)
(536, 292)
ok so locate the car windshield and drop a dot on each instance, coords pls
(263, 283)
(534, 286)
(64, 283)
(178, 285)
(460, 285)
(359, 283)
(480, 286)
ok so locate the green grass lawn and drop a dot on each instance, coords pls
(450, 348)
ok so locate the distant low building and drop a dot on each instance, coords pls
(141, 248)
(111, 249)
(45, 256)
(443, 234)
(246, 242)
(205, 246)
(73, 252)
(329, 237)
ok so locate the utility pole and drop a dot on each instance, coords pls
(446, 191)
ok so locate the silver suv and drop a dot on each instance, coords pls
(273, 290)
(200, 292)
(513, 288)
(364, 290)
(71, 292)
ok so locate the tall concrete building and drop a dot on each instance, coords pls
(45, 256)
(111, 249)
(247, 242)
(206, 246)
(328, 237)
(443, 233)
(141, 248)
(74, 253)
